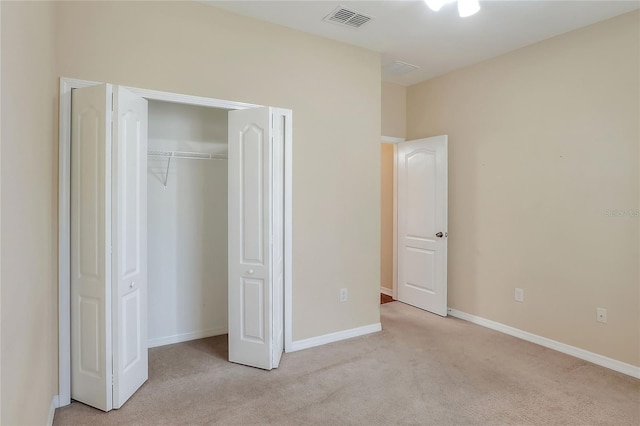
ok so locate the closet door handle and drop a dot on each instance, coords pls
(132, 285)
(250, 272)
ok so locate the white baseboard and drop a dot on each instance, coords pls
(334, 337)
(52, 410)
(601, 360)
(185, 337)
(386, 291)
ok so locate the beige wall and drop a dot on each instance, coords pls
(196, 49)
(394, 119)
(394, 110)
(543, 142)
(29, 304)
(386, 216)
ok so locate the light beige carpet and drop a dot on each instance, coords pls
(421, 369)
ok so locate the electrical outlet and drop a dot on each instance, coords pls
(519, 295)
(343, 294)
(601, 315)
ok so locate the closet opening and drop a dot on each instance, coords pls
(217, 221)
(186, 222)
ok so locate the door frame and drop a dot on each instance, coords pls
(64, 218)
(394, 141)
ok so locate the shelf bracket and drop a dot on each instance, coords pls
(166, 175)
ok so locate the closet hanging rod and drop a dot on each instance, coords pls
(187, 155)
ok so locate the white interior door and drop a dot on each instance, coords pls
(422, 223)
(108, 245)
(129, 197)
(255, 204)
(91, 363)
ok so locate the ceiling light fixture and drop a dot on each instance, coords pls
(468, 7)
(435, 5)
(465, 7)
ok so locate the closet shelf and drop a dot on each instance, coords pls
(187, 155)
(183, 154)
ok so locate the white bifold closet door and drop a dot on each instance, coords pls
(256, 235)
(108, 245)
(109, 241)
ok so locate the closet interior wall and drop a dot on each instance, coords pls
(187, 224)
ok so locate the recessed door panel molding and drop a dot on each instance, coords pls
(89, 124)
(90, 347)
(420, 271)
(253, 325)
(131, 196)
(422, 223)
(252, 143)
(132, 348)
(419, 173)
(414, 241)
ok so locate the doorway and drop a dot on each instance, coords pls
(414, 222)
(67, 85)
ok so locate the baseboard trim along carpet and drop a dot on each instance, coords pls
(298, 345)
(52, 410)
(185, 337)
(386, 291)
(601, 360)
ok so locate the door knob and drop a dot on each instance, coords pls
(132, 285)
(250, 272)
(439, 235)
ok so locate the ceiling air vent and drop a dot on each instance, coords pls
(347, 17)
(398, 68)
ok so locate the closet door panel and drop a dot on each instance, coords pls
(250, 281)
(281, 132)
(130, 362)
(90, 241)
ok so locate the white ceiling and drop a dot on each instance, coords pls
(438, 42)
